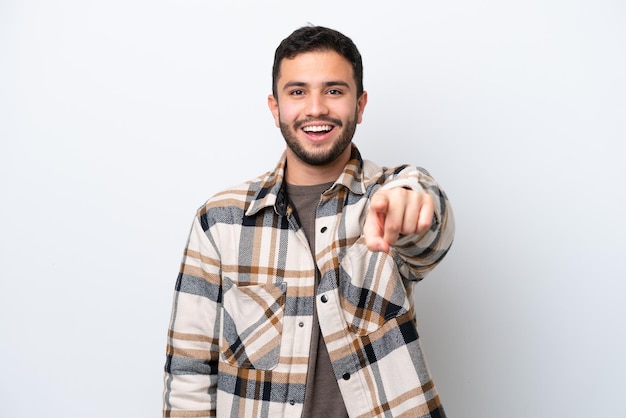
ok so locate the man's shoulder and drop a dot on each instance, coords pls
(372, 171)
(238, 196)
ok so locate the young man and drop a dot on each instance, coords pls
(295, 291)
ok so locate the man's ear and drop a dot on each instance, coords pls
(360, 106)
(272, 103)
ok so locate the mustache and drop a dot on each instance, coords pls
(298, 124)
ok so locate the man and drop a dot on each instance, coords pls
(294, 296)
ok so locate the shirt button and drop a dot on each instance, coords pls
(323, 229)
(292, 402)
(346, 376)
(324, 298)
(301, 324)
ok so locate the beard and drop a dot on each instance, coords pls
(316, 156)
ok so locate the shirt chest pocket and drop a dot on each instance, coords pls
(371, 289)
(252, 324)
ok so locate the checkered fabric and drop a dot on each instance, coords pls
(240, 330)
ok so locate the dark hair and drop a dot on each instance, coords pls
(318, 38)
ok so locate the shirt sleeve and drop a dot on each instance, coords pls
(416, 255)
(190, 378)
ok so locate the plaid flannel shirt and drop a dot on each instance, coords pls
(240, 330)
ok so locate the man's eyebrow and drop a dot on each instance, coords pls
(294, 84)
(326, 84)
(336, 83)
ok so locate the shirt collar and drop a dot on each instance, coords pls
(271, 190)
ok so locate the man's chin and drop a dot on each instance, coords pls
(320, 156)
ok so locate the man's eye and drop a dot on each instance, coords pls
(297, 93)
(334, 92)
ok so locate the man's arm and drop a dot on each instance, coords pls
(193, 336)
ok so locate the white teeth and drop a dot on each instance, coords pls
(321, 128)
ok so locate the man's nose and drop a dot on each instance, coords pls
(316, 105)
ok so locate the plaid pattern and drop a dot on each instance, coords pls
(241, 320)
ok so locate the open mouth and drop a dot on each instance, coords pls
(317, 130)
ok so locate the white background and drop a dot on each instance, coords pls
(119, 118)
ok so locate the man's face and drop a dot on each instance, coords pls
(317, 109)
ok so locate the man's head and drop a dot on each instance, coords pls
(317, 100)
(318, 38)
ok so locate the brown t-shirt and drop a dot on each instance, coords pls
(322, 397)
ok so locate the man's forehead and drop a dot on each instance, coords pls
(320, 66)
